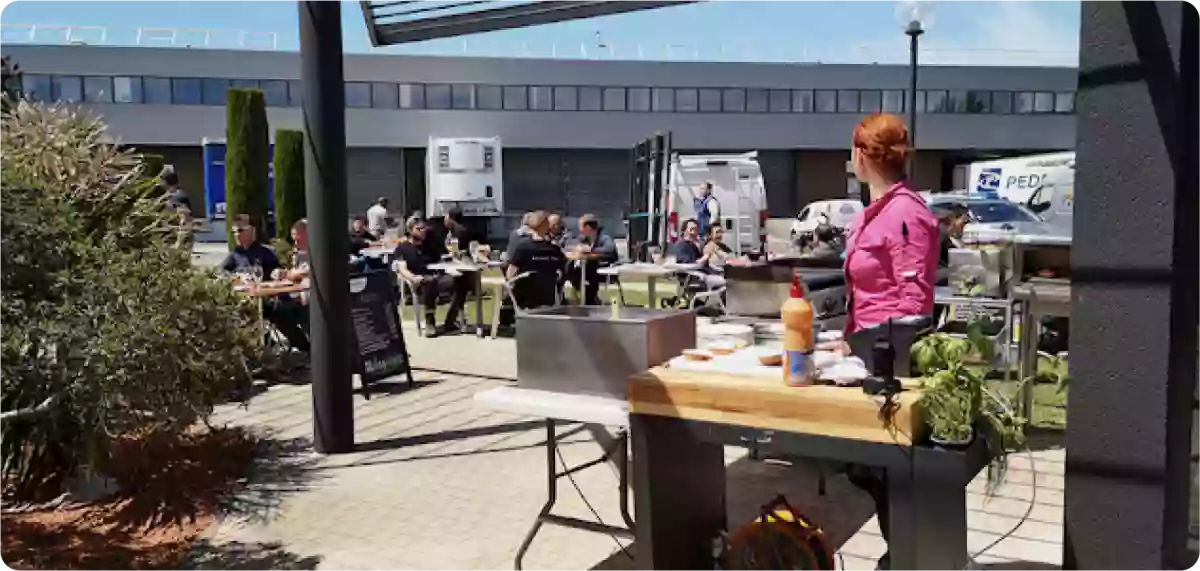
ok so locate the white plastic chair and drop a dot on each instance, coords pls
(406, 287)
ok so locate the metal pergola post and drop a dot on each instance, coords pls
(1134, 289)
(325, 190)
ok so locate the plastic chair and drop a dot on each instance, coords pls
(407, 286)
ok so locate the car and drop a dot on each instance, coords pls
(996, 216)
(839, 212)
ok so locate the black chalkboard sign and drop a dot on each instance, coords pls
(379, 340)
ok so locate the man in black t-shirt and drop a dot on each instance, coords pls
(286, 314)
(416, 255)
(544, 261)
(687, 249)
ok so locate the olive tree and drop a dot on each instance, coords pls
(109, 330)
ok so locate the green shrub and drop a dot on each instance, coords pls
(247, 159)
(109, 330)
(289, 181)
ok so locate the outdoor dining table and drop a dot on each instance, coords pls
(652, 273)
(476, 270)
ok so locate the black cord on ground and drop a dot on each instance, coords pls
(579, 491)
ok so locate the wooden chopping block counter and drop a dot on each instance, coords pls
(681, 422)
(839, 412)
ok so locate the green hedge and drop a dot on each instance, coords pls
(289, 181)
(247, 152)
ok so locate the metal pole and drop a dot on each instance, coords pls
(325, 189)
(914, 31)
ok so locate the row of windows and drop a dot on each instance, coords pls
(287, 93)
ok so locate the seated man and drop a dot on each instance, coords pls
(415, 256)
(285, 313)
(598, 249)
(360, 237)
(687, 249)
(543, 259)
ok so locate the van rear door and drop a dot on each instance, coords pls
(749, 210)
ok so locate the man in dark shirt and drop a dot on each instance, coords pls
(416, 255)
(456, 231)
(177, 198)
(544, 261)
(687, 249)
(287, 314)
(360, 236)
(600, 250)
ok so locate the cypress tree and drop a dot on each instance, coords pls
(247, 152)
(289, 181)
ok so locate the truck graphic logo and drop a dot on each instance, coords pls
(989, 182)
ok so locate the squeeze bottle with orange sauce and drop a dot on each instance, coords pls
(797, 316)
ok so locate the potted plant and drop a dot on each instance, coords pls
(956, 401)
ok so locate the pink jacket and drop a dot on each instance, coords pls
(891, 259)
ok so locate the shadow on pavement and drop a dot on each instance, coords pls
(237, 555)
(280, 468)
(447, 435)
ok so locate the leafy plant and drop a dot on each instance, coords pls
(289, 181)
(247, 153)
(955, 397)
(108, 327)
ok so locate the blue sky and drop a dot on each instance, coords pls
(1018, 33)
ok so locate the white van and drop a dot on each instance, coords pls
(737, 185)
(840, 212)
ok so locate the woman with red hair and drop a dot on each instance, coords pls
(891, 261)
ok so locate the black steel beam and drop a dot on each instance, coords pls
(325, 188)
(1134, 288)
(504, 18)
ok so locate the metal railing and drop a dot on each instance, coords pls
(594, 49)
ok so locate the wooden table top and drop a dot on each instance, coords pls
(272, 289)
(842, 412)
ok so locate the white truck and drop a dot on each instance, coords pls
(1045, 183)
(467, 173)
(737, 185)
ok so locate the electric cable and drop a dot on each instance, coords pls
(578, 490)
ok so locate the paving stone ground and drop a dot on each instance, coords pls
(440, 483)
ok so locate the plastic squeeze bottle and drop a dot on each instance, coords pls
(797, 316)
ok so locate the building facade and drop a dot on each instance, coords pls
(566, 125)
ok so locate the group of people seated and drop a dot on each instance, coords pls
(711, 255)
(289, 313)
(541, 257)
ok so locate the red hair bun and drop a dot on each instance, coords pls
(883, 139)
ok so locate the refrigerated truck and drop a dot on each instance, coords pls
(467, 173)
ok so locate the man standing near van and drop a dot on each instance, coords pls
(707, 208)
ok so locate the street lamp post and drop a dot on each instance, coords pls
(916, 17)
(914, 31)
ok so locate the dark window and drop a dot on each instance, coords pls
(733, 100)
(1023, 102)
(412, 96)
(489, 97)
(979, 102)
(1002, 102)
(295, 93)
(358, 95)
(664, 99)
(826, 101)
(37, 87)
(276, 92)
(462, 96)
(244, 84)
(68, 88)
(847, 101)
(780, 100)
(894, 100)
(935, 101)
(870, 101)
(186, 91)
(157, 90)
(216, 91)
(590, 99)
(686, 100)
(710, 100)
(516, 97)
(97, 89)
(385, 95)
(541, 98)
(614, 98)
(756, 100)
(127, 89)
(639, 98)
(1043, 102)
(566, 99)
(437, 96)
(802, 101)
(1064, 102)
(956, 101)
